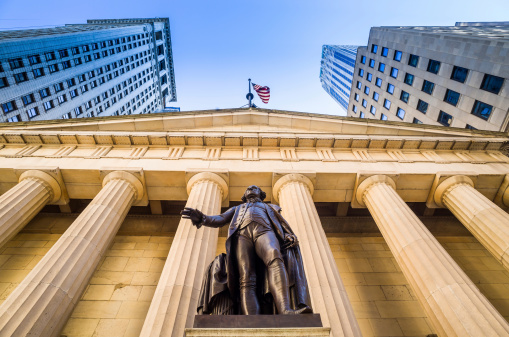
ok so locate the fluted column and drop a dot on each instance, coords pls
(22, 202)
(483, 218)
(175, 300)
(452, 302)
(43, 301)
(328, 294)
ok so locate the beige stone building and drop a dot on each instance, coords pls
(403, 228)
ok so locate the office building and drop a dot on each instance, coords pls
(402, 227)
(101, 68)
(336, 72)
(451, 76)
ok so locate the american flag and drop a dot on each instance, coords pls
(263, 92)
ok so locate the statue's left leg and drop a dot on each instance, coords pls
(268, 249)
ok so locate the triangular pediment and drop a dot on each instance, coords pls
(245, 120)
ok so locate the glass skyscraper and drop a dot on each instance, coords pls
(101, 68)
(336, 72)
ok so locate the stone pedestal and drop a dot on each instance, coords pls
(260, 332)
(452, 302)
(175, 300)
(483, 218)
(22, 202)
(328, 294)
(43, 301)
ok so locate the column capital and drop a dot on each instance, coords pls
(368, 183)
(445, 186)
(502, 197)
(47, 180)
(291, 178)
(139, 191)
(441, 177)
(208, 176)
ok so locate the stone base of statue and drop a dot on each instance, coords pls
(257, 321)
(261, 332)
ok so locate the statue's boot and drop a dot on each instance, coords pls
(278, 284)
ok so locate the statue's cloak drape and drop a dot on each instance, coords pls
(222, 274)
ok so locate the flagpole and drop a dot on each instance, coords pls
(249, 96)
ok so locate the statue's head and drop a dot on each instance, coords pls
(253, 191)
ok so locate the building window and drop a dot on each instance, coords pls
(409, 79)
(366, 90)
(16, 63)
(9, 106)
(3, 82)
(374, 48)
(67, 116)
(20, 77)
(492, 83)
(383, 117)
(433, 66)
(452, 97)
(82, 78)
(59, 87)
(422, 106)
(78, 111)
(53, 68)
(88, 58)
(413, 60)
(34, 59)
(62, 99)
(354, 108)
(385, 51)
(28, 99)
(387, 104)
(38, 72)
(444, 118)
(364, 103)
(459, 74)
(97, 56)
(84, 88)
(360, 116)
(371, 63)
(378, 82)
(400, 113)
(33, 112)
(63, 53)
(372, 110)
(356, 97)
(390, 88)
(416, 121)
(48, 105)
(361, 72)
(71, 82)
(375, 96)
(404, 96)
(85, 48)
(470, 127)
(397, 55)
(73, 93)
(369, 77)
(44, 92)
(363, 59)
(78, 61)
(75, 50)
(14, 119)
(50, 56)
(359, 85)
(381, 67)
(482, 110)
(394, 72)
(428, 87)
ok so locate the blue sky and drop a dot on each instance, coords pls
(218, 45)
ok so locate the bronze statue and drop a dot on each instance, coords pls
(262, 256)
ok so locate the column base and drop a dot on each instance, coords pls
(261, 332)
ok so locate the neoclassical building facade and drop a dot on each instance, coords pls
(403, 228)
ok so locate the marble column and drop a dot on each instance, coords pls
(328, 295)
(452, 302)
(22, 202)
(483, 218)
(44, 300)
(175, 300)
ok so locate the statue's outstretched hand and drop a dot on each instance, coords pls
(290, 241)
(194, 215)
